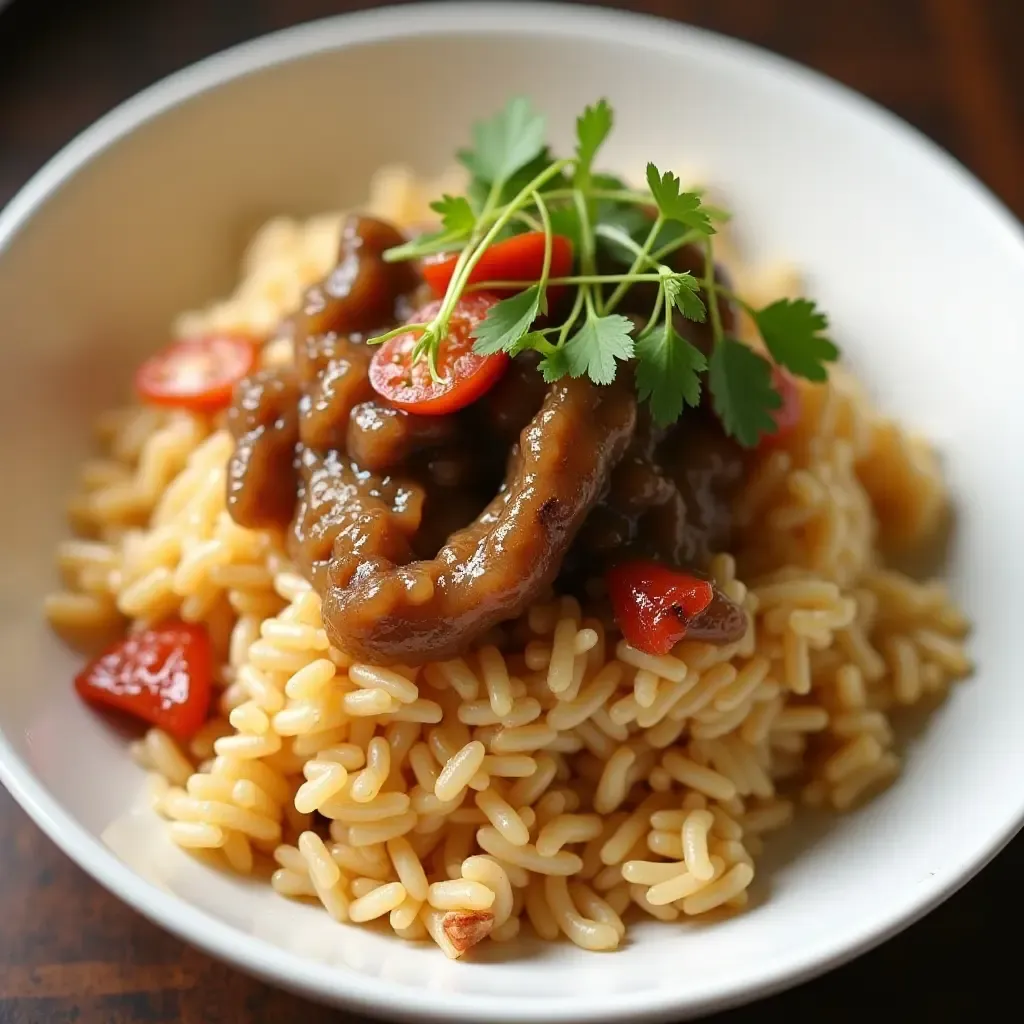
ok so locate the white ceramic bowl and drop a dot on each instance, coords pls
(920, 268)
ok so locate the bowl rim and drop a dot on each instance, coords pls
(254, 955)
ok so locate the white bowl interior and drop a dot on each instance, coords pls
(918, 267)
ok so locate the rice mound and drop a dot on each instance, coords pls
(554, 776)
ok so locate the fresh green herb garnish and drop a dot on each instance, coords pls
(517, 185)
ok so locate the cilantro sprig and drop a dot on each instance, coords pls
(517, 184)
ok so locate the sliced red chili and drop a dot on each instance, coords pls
(161, 675)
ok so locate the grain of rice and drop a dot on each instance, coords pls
(665, 666)
(665, 844)
(858, 782)
(374, 679)
(566, 829)
(458, 770)
(261, 689)
(539, 911)
(489, 872)
(800, 719)
(613, 787)
(584, 932)
(725, 826)
(667, 698)
(248, 747)
(381, 831)
(310, 681)
(854, 723)
(323, 870)
(503, 816)
(250, 796)
(382, 900)
(638, 894)
(733, 695)
(165, 756)
(524, 739)
(210, 787)
(249, 718)
(367, 784)
(695, 844)
(460, 894)
(704, 780)
(860, 651)
(510, 766)
(768, 817)
(385, 806)
(291, 883)
(197, 835)
(854, 755)
(421, 711)
(730, 885)
(664, 734)
(711, 724)
(651, 872)
(758, 723)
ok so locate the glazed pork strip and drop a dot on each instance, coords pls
(378, 609)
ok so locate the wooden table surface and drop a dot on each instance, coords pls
(71, 952)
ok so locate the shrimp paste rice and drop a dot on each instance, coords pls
(554, 778)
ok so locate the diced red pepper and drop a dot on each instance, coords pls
(161, 675)
(653, 604)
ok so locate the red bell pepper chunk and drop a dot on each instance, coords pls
(654, 604)
(161, 675)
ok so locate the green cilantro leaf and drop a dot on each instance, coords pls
(741, 386)
(667, 372)
(593, 349)
(554, 366)
(503, 144)
(683, 291)
(457, 215)
(792, 330)
(674, 204)
(506, 322)
(592, 128)
(531, 340)
(480, 188)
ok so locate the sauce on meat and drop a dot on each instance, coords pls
(421, 532)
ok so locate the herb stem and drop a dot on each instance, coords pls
(728, 293)
(711, 290)
(616, 296)
(545, 270)
(576, 279)
(577, 308)
(396, 331)
(687, 238)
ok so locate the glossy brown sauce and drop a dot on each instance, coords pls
(420, 533)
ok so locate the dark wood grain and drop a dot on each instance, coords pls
(68, 950)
